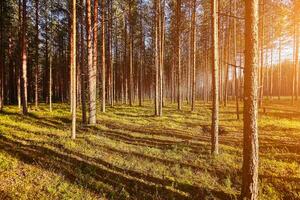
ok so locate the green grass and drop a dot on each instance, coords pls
(131, 154)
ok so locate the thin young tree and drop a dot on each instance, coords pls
(250, 149)
(73, 68)
(215, 79)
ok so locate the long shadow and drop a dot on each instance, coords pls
(180, 134)
(36, 120)
(133, 116)
(190, 143)
(289, 116)
(285, 189)
(219, 173)
(119, 135)
(74, 166)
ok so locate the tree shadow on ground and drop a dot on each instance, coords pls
(83, 170)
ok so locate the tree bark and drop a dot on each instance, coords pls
(235, 61)
(73, 68)
(279, 68)
(95, 30)
(215, 80)
(36, 53)
(178, 33)
(194, 56)
(130, 54)
(24, 60)
(250, 149)
(82, 66)
(103, 56)
(261, 91)
(91, 67)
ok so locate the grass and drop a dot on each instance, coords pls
(131, 154)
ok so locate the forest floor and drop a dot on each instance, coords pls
(131, 154)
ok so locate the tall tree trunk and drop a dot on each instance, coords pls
(161, 57)
(279, 68)
(51, 81)
(215, 80)
(36, 53)
(103, 56)
(50, 66)
(73, 68)
(95, 30)
(124, 66)
(194, 55)
(110, 53)
(91, 67)
(261, 91)
(141, 63)
(296, 53)
(24, 60)
(130, 54)
(82, 66)
(228, 56)
(235, 61)
(2, 56)
(250, 150)
(19, 68)
(157, 16)
(190, 51)
(271, 66)
(178, 33)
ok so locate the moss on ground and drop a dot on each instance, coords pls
(132, 154)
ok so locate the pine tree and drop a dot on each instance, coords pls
(250, 150)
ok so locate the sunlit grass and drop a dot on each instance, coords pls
(131, 154)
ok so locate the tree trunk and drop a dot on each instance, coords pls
(157, 2)
(261, 91)
(279, 68)
(95, 30)
(228, 56)
(50, 82)
(91, 67)
(161, 57)
(250, 150)
(130, 54)
(2, 57)
(82, 67)
(73, 68)
(20, 60)
(215, 80)
(194, 55)
(103, 56)
(235, 62)
(178, 33)
(296, 53)
(36, 53)
(24, 61)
